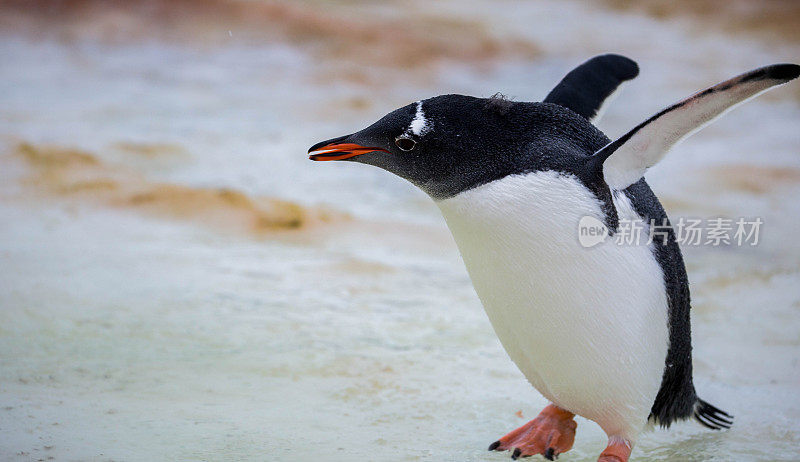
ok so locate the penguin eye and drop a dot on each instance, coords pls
(405, 143)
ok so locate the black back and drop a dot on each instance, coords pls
(676, 398)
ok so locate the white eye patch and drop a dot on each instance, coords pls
(420, 125)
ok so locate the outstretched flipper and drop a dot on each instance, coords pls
(587, 86)
(626, 159)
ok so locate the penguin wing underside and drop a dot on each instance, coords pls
(588, 86)
(625, 160)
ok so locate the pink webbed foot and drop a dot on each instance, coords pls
(549, 434)
(618, 450)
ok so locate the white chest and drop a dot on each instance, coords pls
(587, 327)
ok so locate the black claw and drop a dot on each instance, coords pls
(549, 454)
(516, 454)
(494, 445)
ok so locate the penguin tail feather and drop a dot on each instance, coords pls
(711, 417)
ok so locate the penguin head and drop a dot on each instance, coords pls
(443, 145)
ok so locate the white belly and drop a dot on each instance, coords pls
(587, 327)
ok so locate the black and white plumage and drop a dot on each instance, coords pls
(603, 332)
(589, 87)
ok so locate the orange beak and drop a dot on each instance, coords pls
(339, 151)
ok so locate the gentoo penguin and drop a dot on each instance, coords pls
(601, 332)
